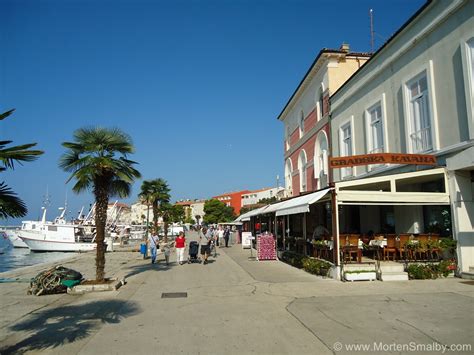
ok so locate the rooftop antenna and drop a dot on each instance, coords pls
(372, 39)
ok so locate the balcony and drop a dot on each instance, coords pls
(421, 140)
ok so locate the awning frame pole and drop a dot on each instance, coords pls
(304, 233)
(335, 227)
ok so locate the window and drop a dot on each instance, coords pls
(319, 102)
(346, 146)
(301, 124)
(302, 163)
(287, 137)
(288, 176)
(321, 160)
(375, 129)
(419, 127)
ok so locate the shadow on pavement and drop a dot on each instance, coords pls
(138, 269)
(61, 325)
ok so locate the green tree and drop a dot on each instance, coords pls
(217, 211)
(157, 194)
(97, 160)
(189, 220)
(267, 200)
(10, 204)
(177, 214)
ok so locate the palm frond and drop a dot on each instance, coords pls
(10, 204)
(6, 114)
(96, 157)
(18, 153)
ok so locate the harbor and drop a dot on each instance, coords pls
(15, 258)
(248, 307)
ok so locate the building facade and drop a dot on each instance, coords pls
(252, 197)
(416, 96)
(118, 213)
(305, 119)
(232, 199)
(138, 213)
(197, 210)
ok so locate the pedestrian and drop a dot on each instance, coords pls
(205, 238)
(220, 234)
(166, 248)
(153, 244)
(226, 236)
(180, 245)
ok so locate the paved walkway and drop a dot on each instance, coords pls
(233, 306)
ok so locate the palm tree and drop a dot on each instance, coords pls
(10, 204)
(94, 162)
(156, 193)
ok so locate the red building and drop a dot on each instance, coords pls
(232, 199)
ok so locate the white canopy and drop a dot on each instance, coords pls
(300, 204)
(246, 216)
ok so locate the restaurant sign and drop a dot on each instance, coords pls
(382, 158)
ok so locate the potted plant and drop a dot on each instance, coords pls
(360, 275)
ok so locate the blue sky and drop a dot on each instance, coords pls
(197, 84)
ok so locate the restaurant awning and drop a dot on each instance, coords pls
(246, 216)
(300, 204)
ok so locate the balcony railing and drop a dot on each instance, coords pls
(421, 140)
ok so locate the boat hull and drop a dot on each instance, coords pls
(40, 243)
(16, 240)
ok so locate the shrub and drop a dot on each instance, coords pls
(316, 267)
(447, 244)
(431, 271)
(294, 259)
(446, 267)
(420, 272)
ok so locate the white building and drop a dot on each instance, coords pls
(416, 96)
(197, 210)
(138, 213)
(252, 197)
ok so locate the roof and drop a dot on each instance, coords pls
(184, 203)
(232, 193)
(321, 52)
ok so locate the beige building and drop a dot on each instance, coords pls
(306, 119)
(138, 213)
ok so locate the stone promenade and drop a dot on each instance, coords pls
(235, 306)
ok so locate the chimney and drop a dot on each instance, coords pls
(344, 47)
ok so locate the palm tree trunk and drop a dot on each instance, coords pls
(102, 201)
(155, 215)
(165, 226)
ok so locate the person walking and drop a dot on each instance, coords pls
(205, 238)
(226, 236)
(166, 248)
(153, 244)
(220, 235)
(180, 245)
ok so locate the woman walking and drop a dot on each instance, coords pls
(180, 245)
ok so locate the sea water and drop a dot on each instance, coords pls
(14, 258)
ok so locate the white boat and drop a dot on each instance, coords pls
(13, 235)
(56, 236)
